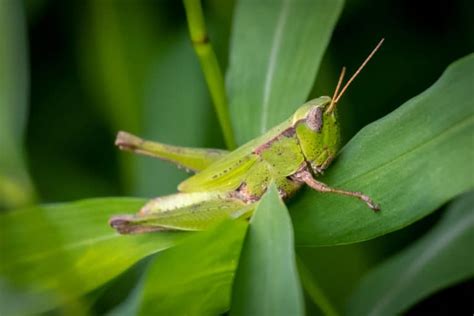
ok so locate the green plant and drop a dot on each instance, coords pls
(413, 160)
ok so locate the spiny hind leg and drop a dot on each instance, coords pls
(306, 177)
(194, 159)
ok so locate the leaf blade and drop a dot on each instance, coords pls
(73, 249)
(267, 281)
(265, 85)
(383, 160)
(203, 279)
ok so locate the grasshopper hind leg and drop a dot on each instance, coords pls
(182, 211)
(126, 224)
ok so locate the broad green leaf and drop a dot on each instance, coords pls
(411, 162)
(441, 258)
(15, 185)
(267, 281)
(276, 48)
(194, 278)
(62, 251)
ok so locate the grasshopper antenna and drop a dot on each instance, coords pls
(338, 97)
(341, 77)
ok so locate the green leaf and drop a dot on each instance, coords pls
(439, 259)
(16, 189)
(194, 278)
(65, 250)
(267, 281)
(411, 162)
(276, 49)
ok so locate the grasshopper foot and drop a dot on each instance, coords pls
(371, 204)
(127, 141)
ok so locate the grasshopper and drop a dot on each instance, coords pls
(230, 184)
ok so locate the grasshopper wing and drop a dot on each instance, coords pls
(225, 174)
(229, 172)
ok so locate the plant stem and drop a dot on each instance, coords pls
(313, 290)
(210, 67)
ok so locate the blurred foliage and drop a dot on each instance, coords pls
(435, 261)
(63, 250)
(15, 186)
(96, 67)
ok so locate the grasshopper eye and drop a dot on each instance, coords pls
(314, 120)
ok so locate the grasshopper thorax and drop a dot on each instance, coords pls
(318, 132)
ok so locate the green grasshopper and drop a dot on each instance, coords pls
(230, 184)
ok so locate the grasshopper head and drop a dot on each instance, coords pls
(317, 131)
(316, 123)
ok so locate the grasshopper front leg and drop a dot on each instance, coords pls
(194, 159)
(306, 177)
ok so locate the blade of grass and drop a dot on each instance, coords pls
(199, 271)
(267, 281)
(210, 67)
(63, 251)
